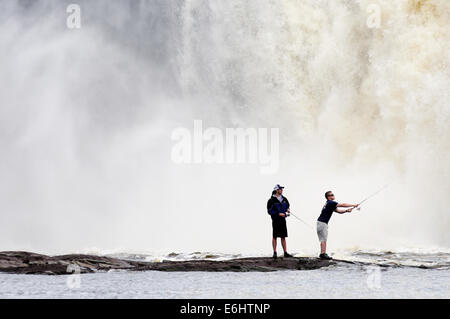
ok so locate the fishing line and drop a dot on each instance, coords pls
(303, 221)
(372, 195)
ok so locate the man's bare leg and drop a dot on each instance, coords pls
(323, 247)
(283, 244)
(274, 245)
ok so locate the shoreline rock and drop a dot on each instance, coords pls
(18, 262)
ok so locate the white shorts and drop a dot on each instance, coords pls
(322, 231)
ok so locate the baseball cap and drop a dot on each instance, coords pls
(277, 187)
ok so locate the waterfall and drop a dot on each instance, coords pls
(86, 117)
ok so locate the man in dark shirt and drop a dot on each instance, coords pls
(278, 209)
(322, 222)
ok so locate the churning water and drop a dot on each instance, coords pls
(383, 275)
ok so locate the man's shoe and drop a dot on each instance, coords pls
(274, 255)
(287, 255)
(325, 256)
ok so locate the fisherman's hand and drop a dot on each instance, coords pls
(355, 205)
(349, 210)
(282, 215)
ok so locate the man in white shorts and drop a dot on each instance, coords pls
(322, 222)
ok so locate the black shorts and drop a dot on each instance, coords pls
(279, 228)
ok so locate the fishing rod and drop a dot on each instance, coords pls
(302, 221)
(372, 195)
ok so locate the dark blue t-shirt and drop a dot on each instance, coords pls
(327, 211)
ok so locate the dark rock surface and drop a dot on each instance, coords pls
(30, 263)
(240, 264)
(19, 262)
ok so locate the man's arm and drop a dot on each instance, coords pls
(288, 206)
(347, 205)
(270, 207)
(343, 211)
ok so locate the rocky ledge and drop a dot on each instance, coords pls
(18, 262)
